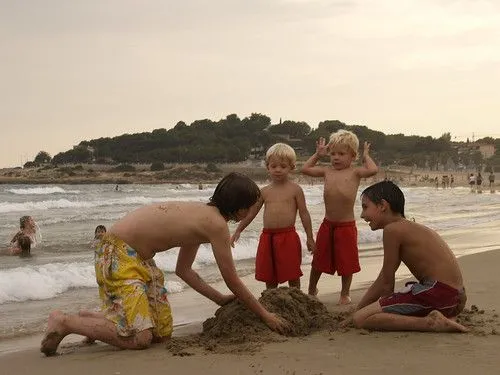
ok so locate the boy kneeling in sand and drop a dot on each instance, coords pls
(136, 311)
(426, 305)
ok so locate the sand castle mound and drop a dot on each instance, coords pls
(236, 323)
(235, 328)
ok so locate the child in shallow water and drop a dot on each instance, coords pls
(99, 233)
(27, 228)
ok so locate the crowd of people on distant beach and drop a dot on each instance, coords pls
(476, 182)
(135, 310)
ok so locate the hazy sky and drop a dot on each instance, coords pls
(81, 69)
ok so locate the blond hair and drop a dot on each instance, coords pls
(345, 138)
(281, 151)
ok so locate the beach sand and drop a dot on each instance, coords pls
(330, 350)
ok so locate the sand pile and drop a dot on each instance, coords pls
(235, 328)
(480, 322)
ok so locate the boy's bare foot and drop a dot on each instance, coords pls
(344, 300)
(88, 341)
(54, 333)
(440, 323)
(313, 293)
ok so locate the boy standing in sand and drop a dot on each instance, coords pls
(279, 253)
(337, 240)
(425, 305)
(136, 310)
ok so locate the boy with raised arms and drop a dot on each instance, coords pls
(337, 239)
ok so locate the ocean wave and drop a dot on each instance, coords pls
(66, 203)
(42, 191)
(49, 280)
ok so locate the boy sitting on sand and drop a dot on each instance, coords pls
(425, 305)
(279, 253)
(136, 310)
(337, 240)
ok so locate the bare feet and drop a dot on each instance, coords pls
(344, 300)
(88, 341)
(54, 333)
(440, 323)
(313, 292)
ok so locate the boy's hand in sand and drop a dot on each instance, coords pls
(321, 147)
(235, 237)
(346, 323)
(277, 323)
(311, 245)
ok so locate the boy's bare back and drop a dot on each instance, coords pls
(423, 251)
(280, 204)
(162, 226)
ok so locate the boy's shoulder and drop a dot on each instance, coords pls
(400, 227)
(406, 229)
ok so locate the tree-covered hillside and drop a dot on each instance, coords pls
(233, 139)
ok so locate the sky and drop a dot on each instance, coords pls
(83, 69)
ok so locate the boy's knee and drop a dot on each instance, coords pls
(358, 319)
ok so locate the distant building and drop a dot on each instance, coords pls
(487, 150)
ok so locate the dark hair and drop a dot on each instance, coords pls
(23, 221)
(234, 192)
(388, 191)
(99, 227)
(24, 243)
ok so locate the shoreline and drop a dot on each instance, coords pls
(198, 174)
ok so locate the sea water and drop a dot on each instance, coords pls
(61, 273)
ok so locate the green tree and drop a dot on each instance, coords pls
(42, 157)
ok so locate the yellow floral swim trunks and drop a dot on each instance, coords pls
(132, 290)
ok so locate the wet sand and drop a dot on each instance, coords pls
(324, 351)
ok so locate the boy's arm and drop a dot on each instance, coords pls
(384, 284)
(184, 270)
(373, 293)
(310, 168)
(16, 236)
(369, 168)
(305, 217)
(252, 212)
(219, 238)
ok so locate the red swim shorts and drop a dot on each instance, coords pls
(337, 248)
(419, 299)
(279, 255)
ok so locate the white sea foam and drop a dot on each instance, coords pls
(66, 203)
(41, 191)
(49, 280)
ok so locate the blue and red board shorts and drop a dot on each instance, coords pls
(420, 298)
(337, 248)
(279, 255)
